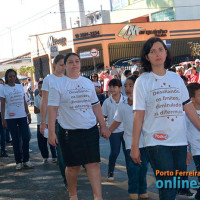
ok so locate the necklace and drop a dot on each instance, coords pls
(157, 77)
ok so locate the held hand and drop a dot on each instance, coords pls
(105, 132)
(135, 155)
(42, 127)
(52, 139)
(4, 123)
(29, 119)
(189, 158)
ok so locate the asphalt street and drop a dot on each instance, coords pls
(44, 182)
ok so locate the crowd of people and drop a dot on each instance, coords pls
(151, 111)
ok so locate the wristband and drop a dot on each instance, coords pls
(42, 122)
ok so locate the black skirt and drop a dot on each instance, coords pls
(79, 146)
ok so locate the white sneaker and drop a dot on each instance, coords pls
(54, 160)
(19, 166)
(28, 165)
(45, 160)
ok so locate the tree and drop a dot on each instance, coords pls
(25, 71)
(195, 47)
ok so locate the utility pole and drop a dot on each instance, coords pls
(62, 14)
(82, 12)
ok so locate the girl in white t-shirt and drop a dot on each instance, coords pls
(137, 184)
(59, 69)
(109, 108)
(14, 112)
(75, 99)
(159, 98)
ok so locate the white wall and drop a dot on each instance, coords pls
(187, 9)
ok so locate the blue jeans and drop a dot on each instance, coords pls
(137, 182)
(197, 164)
(13, 125)
(42, 144)
(61, 163)
(116, 139)
(2, 136)
(167, 158)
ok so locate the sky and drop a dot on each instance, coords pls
(21, 18)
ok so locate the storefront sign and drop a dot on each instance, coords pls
(52, 41)
(158, 33)
(85, 54)
(54, 51)
(130, 31)
(87, 34)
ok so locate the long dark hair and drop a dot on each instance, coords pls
(6, 74)
(146, 65)
(70, 54)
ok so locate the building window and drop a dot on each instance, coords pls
(164, 15)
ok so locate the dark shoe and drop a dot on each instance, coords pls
(4, 154)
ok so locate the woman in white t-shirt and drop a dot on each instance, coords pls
(14, 112)
(160, 96)
(75, 99)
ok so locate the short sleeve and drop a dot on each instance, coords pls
(36, 102)
(118, 115)
(184, 93)
(139, 95)
(54, 96)
(104, 108)
(94, 98)
(45, 85)
(2, 91)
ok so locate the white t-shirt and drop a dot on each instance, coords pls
(75, 98)
(193, 136)
(14, 101)
(161, 97)
(97, 84)
(49, 80)
(109, 108)
(134, 68)
(1, 91)
(37, 104)
(125, 115)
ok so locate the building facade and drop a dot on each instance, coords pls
(112, 42)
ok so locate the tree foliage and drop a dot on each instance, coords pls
(195, 48)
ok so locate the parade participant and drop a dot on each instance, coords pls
(159, 99)
(193, 134)
(2, 130)
(109, 108)
(42, 141)
(14, 112)
(137, 184)
(59, 69)
(79, 110)
(197, 65)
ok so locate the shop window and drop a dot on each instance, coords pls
(165, 15)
